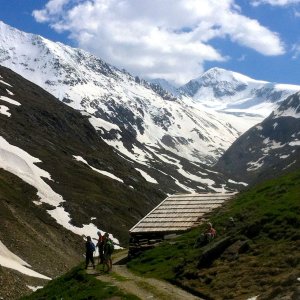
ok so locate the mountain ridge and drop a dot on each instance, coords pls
(167, 138)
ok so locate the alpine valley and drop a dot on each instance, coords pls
(85, 146)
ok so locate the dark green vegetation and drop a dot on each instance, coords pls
(257, 255)
(77, 285)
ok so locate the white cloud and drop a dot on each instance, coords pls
(52, 8)
(274, 2)
(169, 39)
(296, 51)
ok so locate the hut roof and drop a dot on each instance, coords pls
(179, 212)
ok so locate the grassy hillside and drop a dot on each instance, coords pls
(257, 255)
(77, 285)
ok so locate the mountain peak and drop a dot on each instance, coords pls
(217, 83)
(222, 75)
(232, 92)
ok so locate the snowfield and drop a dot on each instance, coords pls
(12, 261)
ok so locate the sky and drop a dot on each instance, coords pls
(172, 39)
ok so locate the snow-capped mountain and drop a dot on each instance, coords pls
(234, 93)
(166, 85)
(164, 137)
(268, 148)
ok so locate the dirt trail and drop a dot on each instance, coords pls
(144, 288)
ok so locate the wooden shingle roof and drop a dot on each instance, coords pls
(179, 212)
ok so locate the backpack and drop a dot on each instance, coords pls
(110, 247)
(90, 247)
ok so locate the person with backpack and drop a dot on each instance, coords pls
(108, 249)
(100, 246)
(89, 253)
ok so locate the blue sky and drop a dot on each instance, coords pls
(172, 39)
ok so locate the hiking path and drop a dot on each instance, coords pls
(142, 287)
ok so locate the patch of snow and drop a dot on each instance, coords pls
(105, 173)
(12, 261)
(22, 164)
(4, 110)
(184, 187)
(108, 174)
(35, 288)
(284, 86)
(284, 156)
(193, 177)
(294, 143)
(252, 298)
(63, 218)
(254, 165)
(275, 125)
(165, 158)
(1, 81)
(11, 101)
(266, 141)
(9, 92)
(271, 145)
(289, 165)
(234, 182)
(146, 176)
(100, 123)
(125, 153)
(222, 189)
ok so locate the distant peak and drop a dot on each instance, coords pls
(218, 74)
(216, 70)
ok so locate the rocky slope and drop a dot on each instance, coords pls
(269, 148)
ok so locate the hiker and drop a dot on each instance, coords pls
(230, 224)
(100, 247)
(210, 232)
(108, 248)
(205, 237)
(89, 254)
